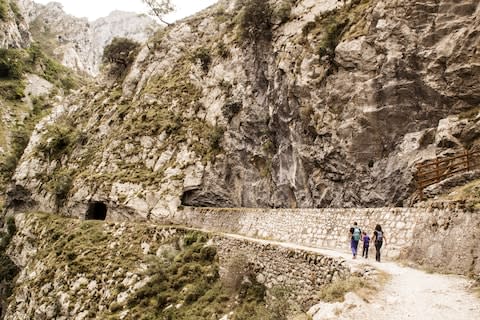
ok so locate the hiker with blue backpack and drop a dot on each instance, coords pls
(378, 240)
(356, 233)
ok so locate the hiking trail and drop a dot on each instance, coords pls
(409, 293)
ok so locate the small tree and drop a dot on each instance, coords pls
(159, 8)
(120, 53)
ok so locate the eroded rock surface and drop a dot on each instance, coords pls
(77, 42)
(321, 104)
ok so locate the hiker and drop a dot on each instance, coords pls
(366, 243)
(356, 233)
(378, 240)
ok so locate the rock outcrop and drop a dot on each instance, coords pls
(78, 43)
(269, 104)
(14, 32)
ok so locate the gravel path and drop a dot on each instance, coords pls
(410, 294)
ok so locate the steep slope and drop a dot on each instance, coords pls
(78, 43)
(94, 270)
(14, 31)
(267, 104)
(29, 80)
(35, 40)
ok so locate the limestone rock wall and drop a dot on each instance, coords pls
(14, 30)
(447, 240)
(79, 43)
(331, 105)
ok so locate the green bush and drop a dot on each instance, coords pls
(208, 253)
(12, 89)
(8, 269)
(332, 37)
(120, 54)
(203, 56)
(255, 21)
(3, 10)
(222, 50)
(19, 138)
(58, 140)
(12, 65)
(193, 237)
(215, 137)
(283, 12)
(61, 184)
(8, 163)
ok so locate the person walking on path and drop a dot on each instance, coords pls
(378, 240)
(356, 233)
(366, 244)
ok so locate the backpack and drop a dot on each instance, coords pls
(356, 233)
(379, 236)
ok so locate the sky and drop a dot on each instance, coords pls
(93, 9)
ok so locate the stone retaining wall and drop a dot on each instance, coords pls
(311, 227)
(299, 272)
(324, 227)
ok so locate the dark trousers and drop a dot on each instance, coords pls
(378, 245)
(354, 246)
(365, 251)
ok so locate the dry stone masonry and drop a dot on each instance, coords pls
(409, 231)
(310, 227)
(299, 272)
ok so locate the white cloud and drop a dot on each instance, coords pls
(94, 9)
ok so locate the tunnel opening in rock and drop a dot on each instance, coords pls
(96, 211)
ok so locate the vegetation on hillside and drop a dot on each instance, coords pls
(469, 193)
(179, 272)
(3, 10)
(255, 21)
(14, 135)
(120, 54)
(329, 28)
(8, 269)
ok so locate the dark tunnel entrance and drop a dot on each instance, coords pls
(96, 211)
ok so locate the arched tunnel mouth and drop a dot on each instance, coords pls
(97, 210)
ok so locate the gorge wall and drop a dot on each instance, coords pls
(316, 104)
(77, 42)
(14, 29)
(35, 40)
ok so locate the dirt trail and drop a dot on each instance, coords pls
(409, 294)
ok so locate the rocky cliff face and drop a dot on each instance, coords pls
(77, 42)
(268, 104)
(14, 31)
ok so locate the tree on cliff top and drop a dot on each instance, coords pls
(159, 8)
